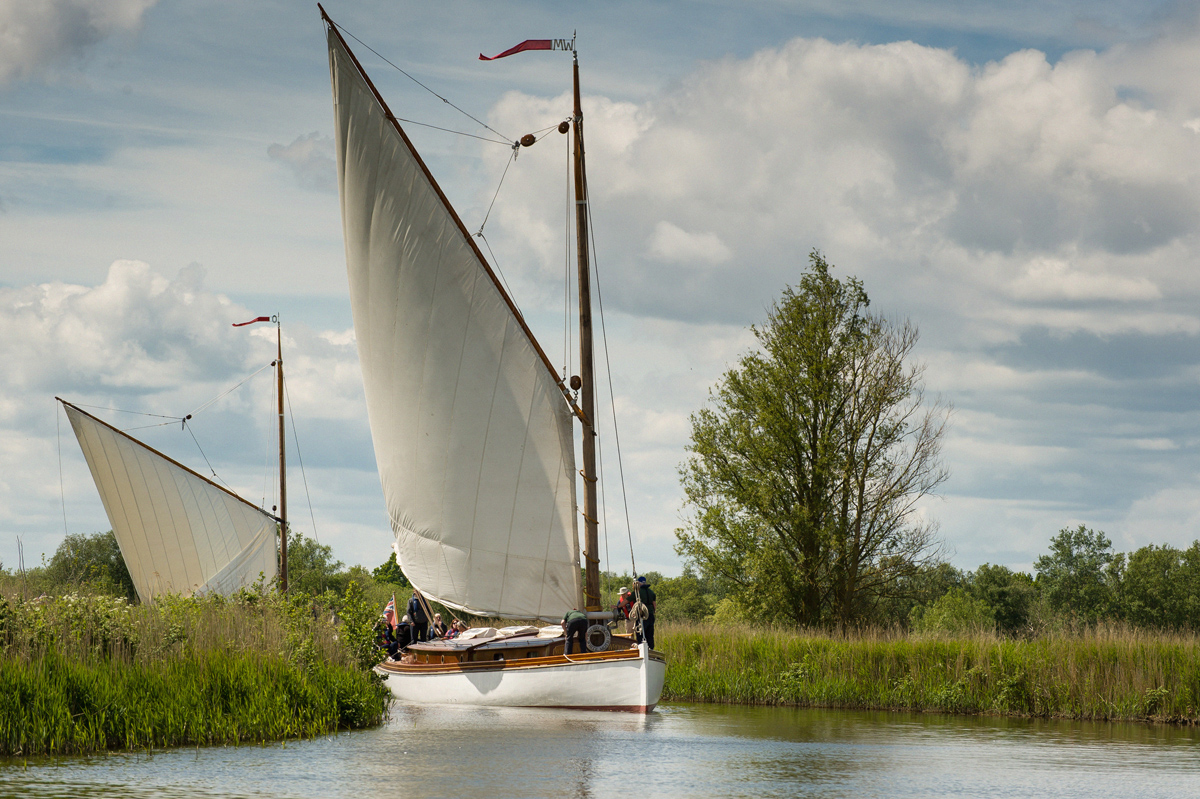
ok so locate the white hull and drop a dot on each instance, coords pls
(629, 681)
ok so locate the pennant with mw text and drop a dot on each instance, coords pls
(534, 44)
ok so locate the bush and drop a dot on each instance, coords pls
(955, 612)
(91, 560)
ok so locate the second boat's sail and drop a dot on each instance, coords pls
(178, 532)
(472, 432)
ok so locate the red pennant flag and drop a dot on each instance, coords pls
(528, 44)
(252, 321)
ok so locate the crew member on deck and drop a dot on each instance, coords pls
(404, 633)
(575, 624)
(420, 622)
(624, 606)
(644, 594)
(439, 629)
(385, 639)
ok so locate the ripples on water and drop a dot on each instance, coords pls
(680, 750)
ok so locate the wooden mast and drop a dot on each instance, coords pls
(591, 591)
(283, 527)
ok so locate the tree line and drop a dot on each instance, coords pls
(1079, 581)
(93, 564)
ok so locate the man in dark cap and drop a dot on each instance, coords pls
(645, 595)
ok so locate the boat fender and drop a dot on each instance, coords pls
(598, 638)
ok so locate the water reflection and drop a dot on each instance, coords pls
(681, 750)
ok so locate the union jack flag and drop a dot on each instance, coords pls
(389, 612)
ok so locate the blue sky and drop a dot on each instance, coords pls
(1020, 180)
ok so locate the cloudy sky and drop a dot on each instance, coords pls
(1021, 180)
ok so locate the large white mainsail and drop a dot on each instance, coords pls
(178, 532)
(472, 432)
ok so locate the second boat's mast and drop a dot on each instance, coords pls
(283, 534)
(591, 589)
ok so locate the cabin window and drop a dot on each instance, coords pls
(531, 654)
(498, 656)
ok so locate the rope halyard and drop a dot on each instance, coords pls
(479, 122)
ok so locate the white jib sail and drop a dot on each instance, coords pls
(178, 532)
(472, 434)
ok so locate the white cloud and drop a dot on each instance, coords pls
(673, 244)
(1044, 181)
(37, 38)
(311, 160)
(138, 331)
(1054, 279)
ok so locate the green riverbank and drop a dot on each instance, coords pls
(86, 673)
(54, 705)
(1105, 674)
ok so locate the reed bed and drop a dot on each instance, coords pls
(1104, 673)
(86, 673)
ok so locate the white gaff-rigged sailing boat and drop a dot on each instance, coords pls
(472, 430)
(178, 531)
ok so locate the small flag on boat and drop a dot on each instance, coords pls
(389, 612)
(252, 321)
(534, 44)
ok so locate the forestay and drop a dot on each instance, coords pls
(178, 532)
(472, 433)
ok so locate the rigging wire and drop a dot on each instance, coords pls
(229, 391)
(567, 343)
(148, 426)
(500, 272)
(268, 483)
(608, 369)
(422, 85)
(300, 458)
(210, 467)
(450, 130)
(121, 410)
(603, 498)
(516, 148)
(61, 489)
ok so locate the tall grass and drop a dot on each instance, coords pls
(84, 673)
(1105, 673)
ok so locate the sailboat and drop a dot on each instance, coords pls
(473, 432)
(178, 531)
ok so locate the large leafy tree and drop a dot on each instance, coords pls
(807, 464)
(1160, 587)
(1009, 594)
(1081, 574)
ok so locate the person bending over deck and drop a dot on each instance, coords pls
(575, 625)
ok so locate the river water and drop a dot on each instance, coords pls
(679, 750)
